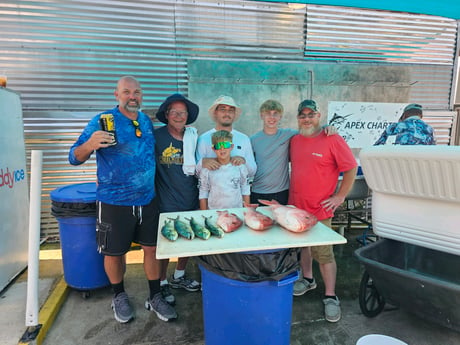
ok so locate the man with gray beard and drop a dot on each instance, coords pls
(316, 163)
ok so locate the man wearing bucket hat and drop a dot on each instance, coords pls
(316, 162)
(410, 129)
(224, 112)
(175, 179)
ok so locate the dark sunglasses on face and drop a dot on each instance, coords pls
(137, 129)
(222, 145)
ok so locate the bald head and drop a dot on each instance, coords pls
(129, 95)
(127, 79)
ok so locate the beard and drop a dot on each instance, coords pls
(132, 108)
(308, 132)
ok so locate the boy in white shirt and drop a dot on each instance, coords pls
(228, 186)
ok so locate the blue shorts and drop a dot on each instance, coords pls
(118, 226)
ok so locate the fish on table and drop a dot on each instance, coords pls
(168, 231)
(290, 217)
(183, 228)
(228, 221)
(199, 230)
(213, 227)
(255, 219)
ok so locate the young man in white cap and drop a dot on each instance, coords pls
(224, 112)
(410, 130)
(316, 162)
(175, 180)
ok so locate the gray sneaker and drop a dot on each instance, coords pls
(184, 283)
(121, 308)
(167, 295)
(302, 285)
(163, 310)
(332, 310)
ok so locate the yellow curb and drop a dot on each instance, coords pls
(49, 311)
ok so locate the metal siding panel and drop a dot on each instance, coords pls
(431, 86)
(240, 29)
(443, 123)
(54, 136)
(351, 34)
(426, 43)
(67, 54)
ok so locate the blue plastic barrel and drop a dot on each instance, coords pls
(83, 265)
(237, 312)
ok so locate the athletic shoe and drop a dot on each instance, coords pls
(162, 308)
(167, 295)
(121, 308)
(332, 310)
(184, 283)
(303, 285)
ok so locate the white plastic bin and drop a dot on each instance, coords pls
(379, 339)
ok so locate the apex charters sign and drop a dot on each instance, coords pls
(362, 123)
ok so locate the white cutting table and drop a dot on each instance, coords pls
(243, 239)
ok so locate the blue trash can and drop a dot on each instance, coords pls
(74, 207)
(237, 312)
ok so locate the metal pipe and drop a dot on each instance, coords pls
(34, 238)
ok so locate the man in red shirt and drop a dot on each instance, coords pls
(316, 163)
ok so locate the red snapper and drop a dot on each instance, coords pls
(290, 217)
(228, 221)
(256, 220)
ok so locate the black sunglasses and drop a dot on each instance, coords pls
(137, 129)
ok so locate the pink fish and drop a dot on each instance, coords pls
(228, 221)
(290, 217)
(256, 220)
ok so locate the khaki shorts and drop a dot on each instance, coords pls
(323, 254)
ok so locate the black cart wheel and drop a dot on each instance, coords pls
(370, 301)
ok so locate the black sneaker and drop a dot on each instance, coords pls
(121, 308)
(184, 283)
(162, 308)
(167, 295)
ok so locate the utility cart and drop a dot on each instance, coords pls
(416, 213)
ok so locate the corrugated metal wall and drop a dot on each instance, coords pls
(350, 34)
(425, 42)
(64, 56)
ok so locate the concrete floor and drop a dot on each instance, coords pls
(90, 320)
